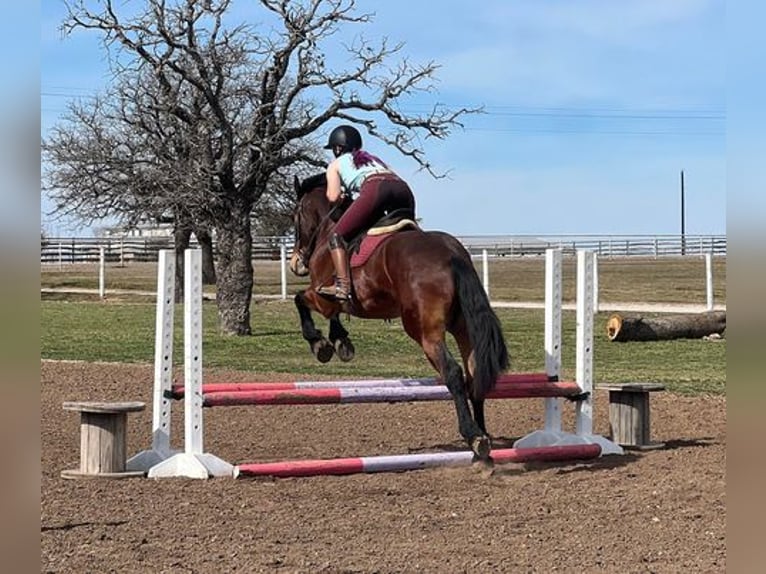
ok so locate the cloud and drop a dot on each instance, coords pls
(650, 53)
(620, 23)
(536, 73)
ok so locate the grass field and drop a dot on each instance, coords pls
(665, 280)
(122, 329)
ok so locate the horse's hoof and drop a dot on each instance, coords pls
(323, 351)
(481, 447)
(486, 468)
(344, 349)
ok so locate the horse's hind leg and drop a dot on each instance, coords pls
(478, 413)
(339, 338)
(452, 375)
(442, 360)
(321, 348)
(460, 333)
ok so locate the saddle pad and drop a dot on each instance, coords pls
(368, 246)
(374, 238)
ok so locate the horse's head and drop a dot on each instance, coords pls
(313, 215)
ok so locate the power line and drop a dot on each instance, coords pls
(584, 120)
(585, 131)
(509, 109)
(585, 111)
(592, 115)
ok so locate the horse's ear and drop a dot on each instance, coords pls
(297, 186)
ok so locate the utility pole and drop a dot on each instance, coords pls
(683, 217)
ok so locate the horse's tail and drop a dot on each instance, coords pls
(490, 353)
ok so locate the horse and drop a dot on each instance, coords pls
(425, 278)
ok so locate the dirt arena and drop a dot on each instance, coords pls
(658, 511)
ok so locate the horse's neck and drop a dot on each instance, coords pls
(326, 224)
(326, 229)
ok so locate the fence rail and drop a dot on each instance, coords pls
(62, 250)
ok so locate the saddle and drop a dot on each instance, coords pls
(362, 246)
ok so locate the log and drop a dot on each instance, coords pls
(689, 326)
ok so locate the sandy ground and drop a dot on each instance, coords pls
(656, 511)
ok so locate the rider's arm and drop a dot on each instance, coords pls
(334, 191)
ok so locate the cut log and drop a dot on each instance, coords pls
(689, 326)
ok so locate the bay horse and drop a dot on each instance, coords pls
(427, 279)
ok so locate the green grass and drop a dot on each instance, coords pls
(78, 326)
(124, 332)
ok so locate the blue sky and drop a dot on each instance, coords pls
(593, 109)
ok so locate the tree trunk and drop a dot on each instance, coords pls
(181, 238)
(623, 328)
(205, 241)
(235, 272)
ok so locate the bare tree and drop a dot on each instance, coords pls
(120, 156)
(263, 95)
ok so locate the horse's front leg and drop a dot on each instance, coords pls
(339, 338)
(321, 348)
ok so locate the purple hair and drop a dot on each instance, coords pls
(361, 158)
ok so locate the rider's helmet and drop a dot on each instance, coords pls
(345, 137)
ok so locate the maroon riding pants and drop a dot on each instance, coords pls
(379, 192)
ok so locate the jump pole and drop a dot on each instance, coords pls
(347, 395)
(504, 379)
(406, 462)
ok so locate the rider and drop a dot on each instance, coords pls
(356, 171)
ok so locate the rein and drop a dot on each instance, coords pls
(305, 254)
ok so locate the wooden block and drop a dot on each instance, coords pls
(632, 387)
(102, 407)
(103, 431)
(629, 414)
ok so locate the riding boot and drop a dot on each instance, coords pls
(342, 288)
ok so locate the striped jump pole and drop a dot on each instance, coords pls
(407, 462)
(502, 380)
(340, 395)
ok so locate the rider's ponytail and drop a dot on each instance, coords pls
(362, 158)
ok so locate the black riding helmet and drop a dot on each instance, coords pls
(346, 137)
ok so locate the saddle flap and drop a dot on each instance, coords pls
(374, 238)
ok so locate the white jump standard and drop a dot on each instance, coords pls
(551, 443)
(193, 462)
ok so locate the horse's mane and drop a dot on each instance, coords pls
(317, 182)
(312, 182)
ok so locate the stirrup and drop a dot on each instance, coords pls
(337, 291)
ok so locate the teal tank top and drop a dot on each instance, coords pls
(352, 177)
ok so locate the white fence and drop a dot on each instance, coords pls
(63, 250)
(96, 253)
(602, 245)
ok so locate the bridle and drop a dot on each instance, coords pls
(304, 254)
